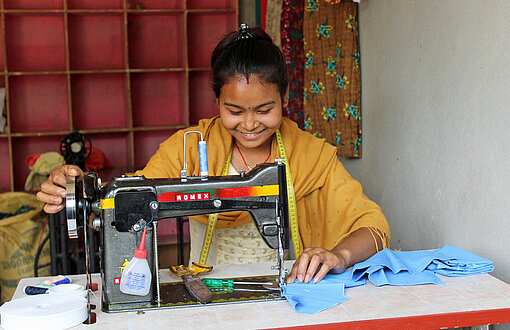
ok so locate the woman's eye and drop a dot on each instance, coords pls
(265, 111)
(235, 113)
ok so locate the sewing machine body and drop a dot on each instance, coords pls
(129, 203)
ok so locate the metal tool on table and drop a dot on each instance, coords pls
(213, 282)
(196, 288)
(124, 206)
(221, 285)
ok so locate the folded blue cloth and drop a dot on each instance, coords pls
(310, 298)
(386, 267)
(314, 298)
(418, 267)
(385, 276)
(452, 261)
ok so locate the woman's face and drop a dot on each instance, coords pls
(251, 110)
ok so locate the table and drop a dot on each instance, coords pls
(460, 302)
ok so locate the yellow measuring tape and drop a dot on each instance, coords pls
(211, 224)
(294, 229)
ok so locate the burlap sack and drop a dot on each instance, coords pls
(19, 239)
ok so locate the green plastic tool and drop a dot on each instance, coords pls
(220, 283)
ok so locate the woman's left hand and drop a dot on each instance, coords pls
(316, 263)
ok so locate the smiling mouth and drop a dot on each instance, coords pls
(250, 134)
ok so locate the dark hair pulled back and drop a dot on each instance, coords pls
(256, 54)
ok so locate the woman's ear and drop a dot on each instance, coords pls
(286, 98)
(218, 102)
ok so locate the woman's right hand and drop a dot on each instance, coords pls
(53, 191)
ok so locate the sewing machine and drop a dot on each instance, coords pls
(122, 207)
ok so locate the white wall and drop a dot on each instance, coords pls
(436, 122)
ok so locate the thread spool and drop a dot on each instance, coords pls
(33, 290)
(202, 155)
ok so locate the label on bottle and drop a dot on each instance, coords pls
(135, 281)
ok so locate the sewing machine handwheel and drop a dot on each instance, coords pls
(74, 205)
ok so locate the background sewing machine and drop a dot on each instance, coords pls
(120, 209)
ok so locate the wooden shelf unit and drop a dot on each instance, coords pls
(126, 73)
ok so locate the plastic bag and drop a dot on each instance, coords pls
(20, 236)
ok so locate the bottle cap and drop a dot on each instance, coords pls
(141, 252)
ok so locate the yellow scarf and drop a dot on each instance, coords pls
(330, 204)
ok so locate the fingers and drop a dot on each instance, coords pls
(53, 190)
(60, 174)
(291, 277)
(54, 203)
(321, 273)
(51, 193)
(51, 208)
(314, 263)
(49, 198)
(299, 268)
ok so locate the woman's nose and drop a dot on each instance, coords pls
(250, 122)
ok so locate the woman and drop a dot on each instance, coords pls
(338, 225)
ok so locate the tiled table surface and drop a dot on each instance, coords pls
(473, 296)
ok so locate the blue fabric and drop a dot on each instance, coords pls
(418, 267)
(310, 298)
(314, 298)
(385, 276)
(386, 267)
(453, 261)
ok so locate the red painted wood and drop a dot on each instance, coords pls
(1, 51)
(33, 4)
(158, 98)
(155, 41)
(99, 101)
(203, 38)
(96, 42)
(117, 148)
(94, 4)
(214, 4)
(5, 177)
(31, 108)
(155, 4)
(35, 42)
(146, 144)
(202, 101)
(435, 321)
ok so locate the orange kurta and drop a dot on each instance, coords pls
(330, 203)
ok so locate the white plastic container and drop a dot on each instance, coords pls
(44, 312)
(71, 288)
(137, 277)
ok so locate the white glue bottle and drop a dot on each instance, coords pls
(136, 277)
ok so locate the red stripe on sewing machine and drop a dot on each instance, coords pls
(237, 192)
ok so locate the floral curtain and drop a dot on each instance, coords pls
(291, 27)
(320, 40)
